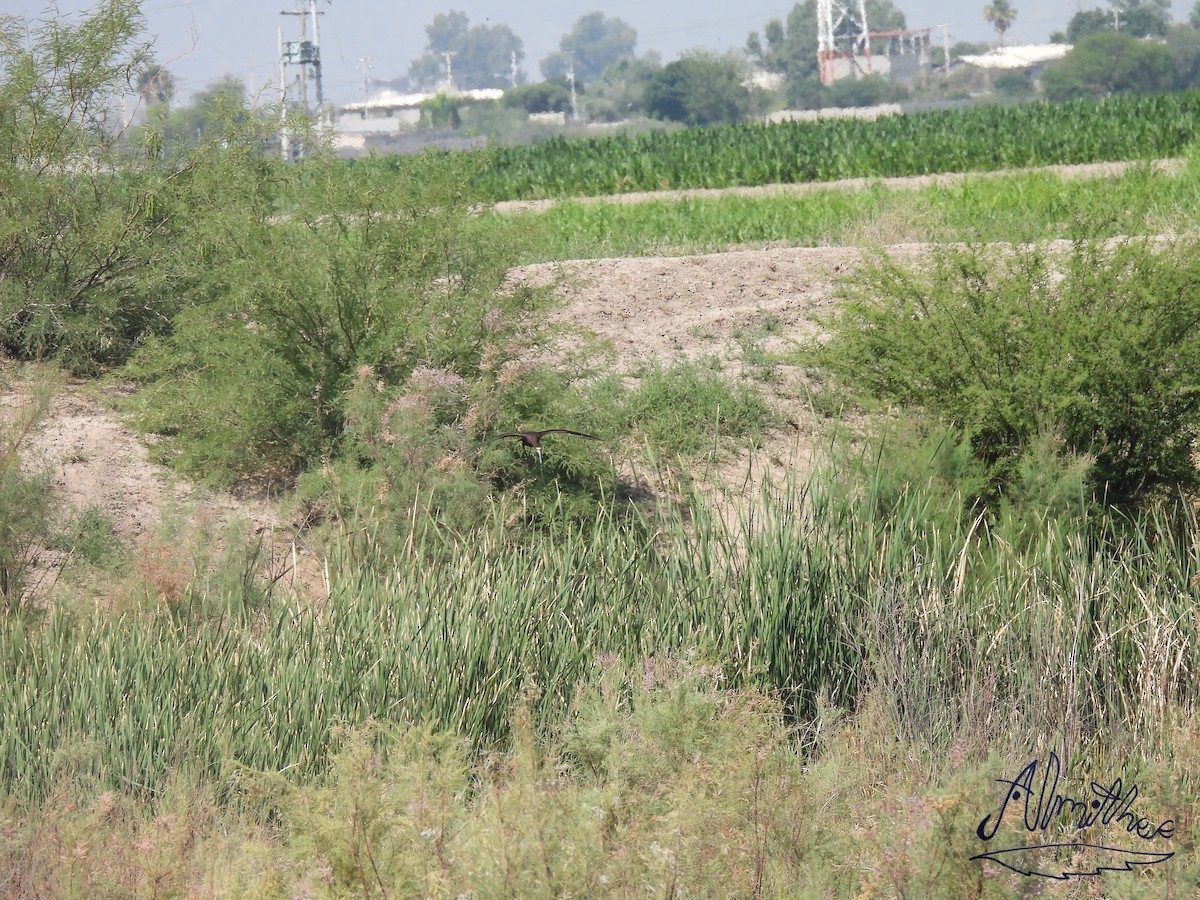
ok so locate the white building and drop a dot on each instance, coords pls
(1030, 57)
(387, 114)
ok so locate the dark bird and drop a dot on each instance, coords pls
(534, 438)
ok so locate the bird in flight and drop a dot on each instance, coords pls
(534, 438)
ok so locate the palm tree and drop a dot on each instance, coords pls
(1001, 15)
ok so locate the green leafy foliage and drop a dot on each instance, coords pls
(1097, 345)
(1105, 64)
(620, 91)
(687, 407)
(91, 228)
(368, 274)
(699, 90)
(483, 55)
(1142, 200)
(870, 90)
(551, 95)
(594, 43)
(1136, 18)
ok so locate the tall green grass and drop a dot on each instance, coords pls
(661, 780)
(1023, 207)
(1080, 632)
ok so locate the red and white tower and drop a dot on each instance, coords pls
(845, 22)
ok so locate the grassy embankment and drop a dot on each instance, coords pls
(982, 208)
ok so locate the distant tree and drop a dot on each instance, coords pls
(791, 48)
(620, 91)
(211, 109)
(1103, 64)
(1013, 85)
(1183, 42)
(870, 91)
(551, 95)
(1000, 14)
(883, 15)
(593, 44)
(1143, 18)
(1194, 16)
(156, 85)
(447, 110)
(699, 89)
(1137, 18)
(1087, 22)
(481, 55)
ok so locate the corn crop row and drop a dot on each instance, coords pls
(979, 138)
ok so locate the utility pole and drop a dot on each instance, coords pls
(512, 70)
(364, 66)
(946, 48)
(574, 98)
(449, 56)
(304, 53)
(284, 141)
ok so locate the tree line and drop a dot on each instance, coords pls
(599, 73)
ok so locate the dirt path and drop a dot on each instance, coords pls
(95, 461)
(660, 307)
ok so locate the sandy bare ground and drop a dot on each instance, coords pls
(657, 308)
(96, 461)
(708, 306)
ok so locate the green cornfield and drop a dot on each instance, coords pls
(976, 139)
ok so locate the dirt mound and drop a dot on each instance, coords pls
(651, 309)
(724, 305)
(96, 462)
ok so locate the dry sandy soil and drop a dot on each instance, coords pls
(649, 308)
(96, 461)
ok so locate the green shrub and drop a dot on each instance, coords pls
(688, 407)
(366, 274)
(1096, 345)
(25, 498)
(93, 225)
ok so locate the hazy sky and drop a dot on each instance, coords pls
(201, 40)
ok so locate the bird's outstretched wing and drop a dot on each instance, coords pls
(590, 437)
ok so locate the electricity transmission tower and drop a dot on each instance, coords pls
(849, 18)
